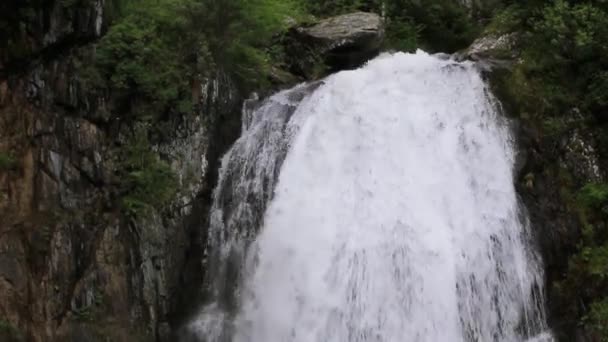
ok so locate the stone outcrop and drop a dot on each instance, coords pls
(336, 43)
(492, 49)
(32, 31)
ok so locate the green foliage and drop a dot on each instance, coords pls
(402, 34)
(325, 8)
(445, 25)
(434, 25)
(147, 181)
(158, 47)
(239, 33)
(8, 333)
(597, 95)
(587, 274)
(145, 54)
(7, 162)
(510, 19)
(596, 261)
(594, 195)
(565, 55)
(598, 319)
(69, 3)
(554, 126)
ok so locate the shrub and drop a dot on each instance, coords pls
(445, 26)
(146, 181)
(594, 195)
(144, 55)
(240, 32)
(598, 319)
(159, 46)
(565, 55)
(402, 34)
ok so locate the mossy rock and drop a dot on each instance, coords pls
(9, 333)
(337, 43)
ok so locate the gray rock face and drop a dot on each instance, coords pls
(72, 266)
(48, 28)
(342, 42)
(355, 29)
(492, 51)
(491, 46)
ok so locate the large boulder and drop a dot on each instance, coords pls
(492, 50)
(343, 42)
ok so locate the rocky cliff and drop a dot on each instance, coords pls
(73, 265)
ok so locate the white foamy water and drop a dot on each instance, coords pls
(393, 216)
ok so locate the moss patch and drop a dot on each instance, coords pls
(8, 333)
(7, 162)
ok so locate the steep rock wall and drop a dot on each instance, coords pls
(73, 266)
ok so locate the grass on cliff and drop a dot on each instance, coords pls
(147, 182)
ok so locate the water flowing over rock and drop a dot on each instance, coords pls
(378, 207)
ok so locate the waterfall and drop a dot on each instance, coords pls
(375, 206)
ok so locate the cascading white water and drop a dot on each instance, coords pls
(394, 217)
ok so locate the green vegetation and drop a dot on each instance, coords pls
(141, 57)
(598, 319)
(444, 25)
(561, 84)
(9, 333)
(565, 60)
(7, 162)
(588, 269)
(151, 58)
(146, 181)
(157, 47)
(594, 195)
(436, 25)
